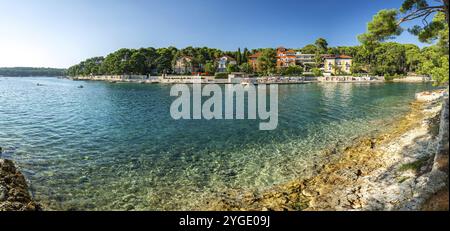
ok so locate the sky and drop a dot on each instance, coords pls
(61, 33)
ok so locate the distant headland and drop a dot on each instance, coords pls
(31, 71)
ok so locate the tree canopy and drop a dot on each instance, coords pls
(321, 45)
(387, 24)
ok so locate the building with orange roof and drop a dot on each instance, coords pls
(285, 57)
(253, 61)
(338, 63)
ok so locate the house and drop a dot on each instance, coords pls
(288, 57)
(285, 57)
(253, 61)
(223, 63)
(304, 59)
(183, 65)
(307, 61)
(337, 64)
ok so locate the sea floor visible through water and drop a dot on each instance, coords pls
(115, 147)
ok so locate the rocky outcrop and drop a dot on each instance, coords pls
(441, 159)
(14, 194)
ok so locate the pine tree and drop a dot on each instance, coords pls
(239, 56)
(245, 56)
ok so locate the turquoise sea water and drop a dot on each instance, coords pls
(115, 146)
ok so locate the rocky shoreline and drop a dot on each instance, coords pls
(405, 168)
(14, 194)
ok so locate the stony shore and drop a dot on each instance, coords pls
(14, 194)
(405, 168)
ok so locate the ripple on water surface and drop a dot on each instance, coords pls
(115, 146)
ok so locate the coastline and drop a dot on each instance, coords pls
(405, 168)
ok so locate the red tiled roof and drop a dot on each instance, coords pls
(255, 55)
(337, 57)
(344, 57)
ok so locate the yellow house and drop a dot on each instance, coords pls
(338, 64)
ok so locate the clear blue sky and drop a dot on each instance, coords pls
(60, 33)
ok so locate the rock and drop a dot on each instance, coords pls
(14, 194)
(309, 193)
(3, 193)
(129, 207)
(128, 198)
(83, 179)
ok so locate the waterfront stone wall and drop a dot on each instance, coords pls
(349, 79)
(414, 79)
(112, 77)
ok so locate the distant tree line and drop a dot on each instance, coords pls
(150, 60)
(30, 71)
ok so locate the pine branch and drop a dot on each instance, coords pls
(422, 12)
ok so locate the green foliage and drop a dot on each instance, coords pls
(431, 61)
(163, 60)
(31, 71)
(415, 166)
(435, 30)
(413, 57)
(435, 64)
(316, 72)
(292, 71)
(384, 25)
(245, 55)
(210, 67)
(232, 68)
(437, 69)
(409, 5)
(245, 67)
(390, 58)
(321, 45)
(221, 75)
(309, 49)
(266, 62)
(239, 56)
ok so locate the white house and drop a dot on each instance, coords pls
(223, 63)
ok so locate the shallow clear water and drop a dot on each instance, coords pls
(115, 146)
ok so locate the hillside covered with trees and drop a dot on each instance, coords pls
(387, 58)
(31, 71)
